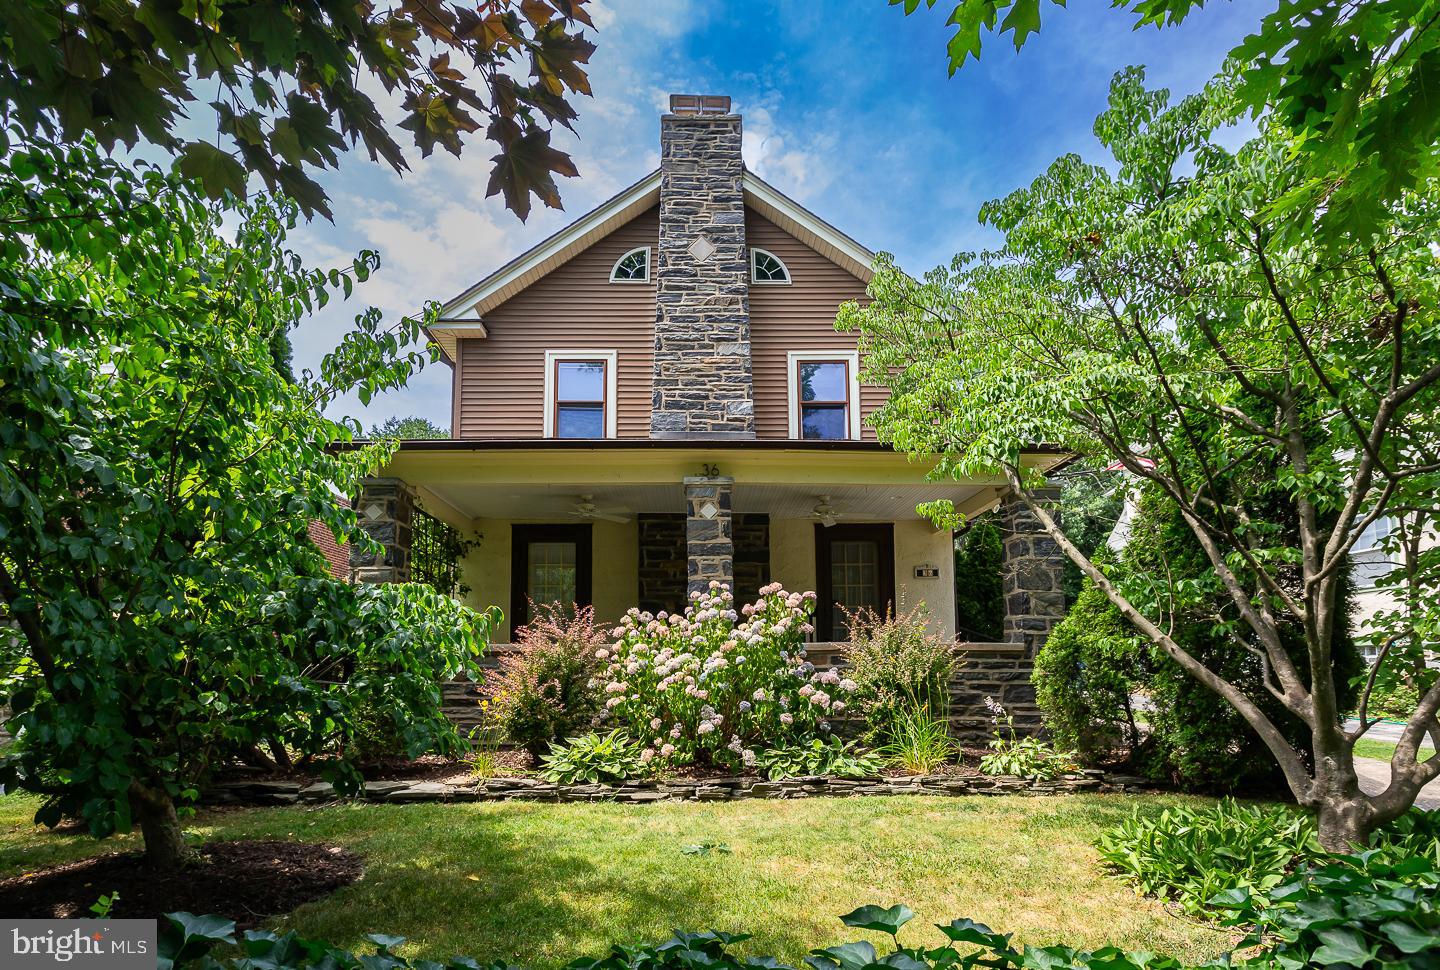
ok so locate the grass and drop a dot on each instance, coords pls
(542, 884)
(1384, 750)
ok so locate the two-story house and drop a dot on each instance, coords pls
(656, 397)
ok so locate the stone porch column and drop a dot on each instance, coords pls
(709, 535)
(1034, 574)
(1034, 602)
(385, 510)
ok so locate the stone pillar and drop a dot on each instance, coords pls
(702, 385)
(1034, 574)
(709, 538)
(1034, 603)
(385, 510)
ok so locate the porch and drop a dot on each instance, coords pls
(621, 524)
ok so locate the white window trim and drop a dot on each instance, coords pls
(759, 282)
(792, 362)
(616, 265)
(552, 357)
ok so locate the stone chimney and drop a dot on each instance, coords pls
(702, 383)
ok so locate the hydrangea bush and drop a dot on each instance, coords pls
(717, 686)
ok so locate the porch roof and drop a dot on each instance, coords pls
(461, 480)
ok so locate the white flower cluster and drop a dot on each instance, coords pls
(717, 685)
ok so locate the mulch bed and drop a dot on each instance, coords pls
(243, 881)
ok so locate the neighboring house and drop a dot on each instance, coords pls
(655, 398)
(336, 554)
(1373, 557)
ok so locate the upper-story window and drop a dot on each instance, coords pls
(580, 394)
(633, 267)
(824, 394)
(766, 267)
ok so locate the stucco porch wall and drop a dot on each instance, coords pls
(614, 582)
(917, 543)
(616, 565)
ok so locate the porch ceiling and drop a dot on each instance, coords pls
(554, 502)
(532, 481)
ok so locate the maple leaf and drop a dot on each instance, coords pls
(525, 168)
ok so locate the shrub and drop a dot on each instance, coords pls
(1084, 675)
(1024, 757)
(1192, 855)
(979, 581)
(545, 689)
(819, 757)
(593, 758)
(710, 687)
(899, 667)
(1094, 662)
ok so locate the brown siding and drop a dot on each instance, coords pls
(500, 379)
(800, 316)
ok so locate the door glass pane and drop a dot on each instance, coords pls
(580, 421)
(824, 422)
(552, 572)
(854, 579)
(580, 380)
(823, 381)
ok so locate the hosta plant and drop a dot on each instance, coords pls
(819, 757)
(593, 758)
(1356, 913)
(1191, 855)
(715, 685)
(1024, 757)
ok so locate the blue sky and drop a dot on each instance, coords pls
(847, 109)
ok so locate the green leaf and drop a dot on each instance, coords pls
(872, 917)
(216, 170)
(1342, 946)
(1410, 939)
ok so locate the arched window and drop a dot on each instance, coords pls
(633, 267)
(766, 267)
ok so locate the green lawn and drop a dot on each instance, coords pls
(1384, 750)
(542, 884)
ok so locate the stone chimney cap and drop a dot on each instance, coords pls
(700, 104)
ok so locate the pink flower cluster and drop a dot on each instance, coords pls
(715, 685)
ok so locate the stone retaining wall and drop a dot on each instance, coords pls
(676, 790)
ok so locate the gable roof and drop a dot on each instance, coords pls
(463, 315)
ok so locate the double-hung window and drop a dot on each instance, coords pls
(580, 394)
(824, 395)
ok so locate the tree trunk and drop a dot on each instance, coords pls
(159, 825)
(1345, 822)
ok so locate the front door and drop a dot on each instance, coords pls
(854, 569)
(548, 564)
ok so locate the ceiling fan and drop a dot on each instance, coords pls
(587, 509)
(825, 513)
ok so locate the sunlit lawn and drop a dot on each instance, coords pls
(1385, 750)
(542, 884)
